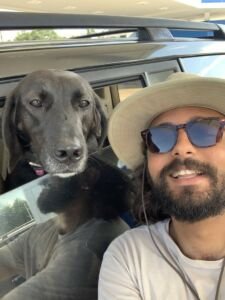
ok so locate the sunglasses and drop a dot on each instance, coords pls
(201, 133)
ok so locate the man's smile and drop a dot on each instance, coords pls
(186, 177)
(187, 173)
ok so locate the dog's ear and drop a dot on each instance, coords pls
(13, 149)
(100, 121)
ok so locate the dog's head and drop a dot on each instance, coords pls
(55, 119)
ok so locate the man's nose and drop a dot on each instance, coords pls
(183, 146)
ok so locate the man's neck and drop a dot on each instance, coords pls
(203, 240)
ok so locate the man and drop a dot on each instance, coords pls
(181, 254)
(60, 259)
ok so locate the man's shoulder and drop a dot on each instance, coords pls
(134, 234)
(140, 236)
(142, 230)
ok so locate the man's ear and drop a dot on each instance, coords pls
(13, 148)
(99, 128)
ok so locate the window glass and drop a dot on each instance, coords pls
(19, 211)
(69, 34)
(212, 66)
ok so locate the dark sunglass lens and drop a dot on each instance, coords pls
(203, 133)
(161, 139)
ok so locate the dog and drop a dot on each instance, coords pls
(52, 120)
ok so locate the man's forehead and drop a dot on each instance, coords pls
(185, 113)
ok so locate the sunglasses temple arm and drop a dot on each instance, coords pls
(220, 133)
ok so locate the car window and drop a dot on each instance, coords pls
(28, 36)
(212, 66)
(19, 211)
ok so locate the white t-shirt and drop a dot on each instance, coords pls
(134, 269)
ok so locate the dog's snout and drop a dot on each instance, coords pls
(68, 153)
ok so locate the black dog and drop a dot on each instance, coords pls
(53, 119)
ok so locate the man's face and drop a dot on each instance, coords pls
(189, 181)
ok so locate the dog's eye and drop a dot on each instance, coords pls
(36, 103)
(84, 103)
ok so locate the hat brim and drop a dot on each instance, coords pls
(135, 113)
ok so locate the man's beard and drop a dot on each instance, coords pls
(189, 204)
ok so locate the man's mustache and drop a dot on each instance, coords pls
(191, 164)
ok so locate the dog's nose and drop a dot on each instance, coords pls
(71, 153)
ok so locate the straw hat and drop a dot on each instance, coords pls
(135, 113)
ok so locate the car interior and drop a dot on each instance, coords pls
(126, 56)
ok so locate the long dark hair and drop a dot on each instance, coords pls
(149, 203)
